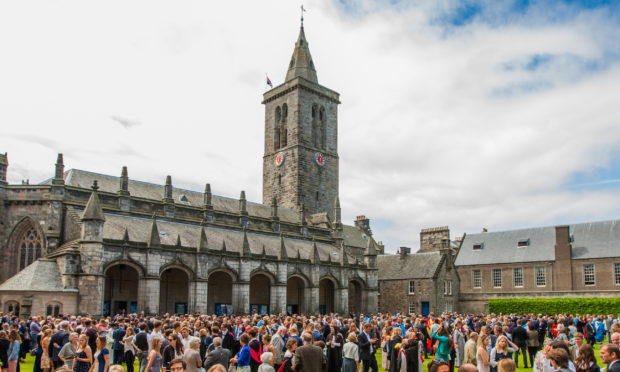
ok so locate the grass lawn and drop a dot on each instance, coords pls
(29, 364)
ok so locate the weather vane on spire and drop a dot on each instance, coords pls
(302, 15)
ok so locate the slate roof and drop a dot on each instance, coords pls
(412, 266)
(107, 183)
(590, 240)
(139, 228)
(42, 275)
(355, 237)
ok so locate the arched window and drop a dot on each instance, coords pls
(12, 306)
(323, 130)
(276, 128)
(53, 309)
(30, 248)
(283, 128)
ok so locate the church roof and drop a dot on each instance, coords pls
(301, 64)
(589, 240)
(107, 183)
(41, 276)
(412, 266)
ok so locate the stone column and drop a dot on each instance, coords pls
(241, 297)
(200, 296)
(343, 295)
(312, 303)
(150, 295)
(277, 299)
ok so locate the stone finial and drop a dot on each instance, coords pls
(245, 249)
(315, 253)
(124, 183)
(337, 211)
(283, 254)
(93, 210)
(207, 195)
(243, 203)
(60, 168)
(301, 64)
(168, 190)
(179, 245)
(299, 255)
(274, 207)
(154, 236)
(223, 246)
(263, 252)
(4, 164)
(203, 243)
(126, 236)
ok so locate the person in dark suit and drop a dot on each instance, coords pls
(218, 355)
(610, 355)
(519, 337)
(118, 334)
(228, 340)
(367, 346)
(58, 340)
(308, 358)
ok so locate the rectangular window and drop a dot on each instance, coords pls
(476, 279)
(449, 307)
(445, 287)
(411, 309)
(588, 274)
(617, 273)
(478, 246)
(541, 276)
(517, 277)
(411, 287)
(450, 287)
(497, 278)
(523, 243)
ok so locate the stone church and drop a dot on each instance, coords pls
(84, 242)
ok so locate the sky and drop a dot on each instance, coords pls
(470, 114)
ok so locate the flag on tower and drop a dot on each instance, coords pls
(269, 82)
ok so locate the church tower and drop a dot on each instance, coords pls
(300, 165)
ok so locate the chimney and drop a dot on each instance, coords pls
(434, 239)
(562, 270)
(404, 252)
(363, 223)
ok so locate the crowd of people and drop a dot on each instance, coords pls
(322, 343)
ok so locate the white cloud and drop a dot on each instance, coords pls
(434, 128)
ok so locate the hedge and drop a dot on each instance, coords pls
(553, 306)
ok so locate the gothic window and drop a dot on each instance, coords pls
(276, 128)
(30, 248)
(323, 130)
(283, 131)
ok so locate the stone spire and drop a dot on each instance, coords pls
(283, 254)
(245, 249)
(93, 210)
(124, 183)
(203, 243)
(301, 64)
(315, 258)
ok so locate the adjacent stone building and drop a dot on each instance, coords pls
(84, 242)
(580, 260)
(423, 282)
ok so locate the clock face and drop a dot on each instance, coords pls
(279, 160)
(319, 159)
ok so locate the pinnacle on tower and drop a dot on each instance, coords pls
(301, 64)
(283, 254)
(245, 249)
(60, 167)
(242, 203)
(203, 242)
(207, 195)
(93, 210)
(4, 164)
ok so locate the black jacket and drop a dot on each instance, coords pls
(519, 336)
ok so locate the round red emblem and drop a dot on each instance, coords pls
(319, 159)
(279, 159)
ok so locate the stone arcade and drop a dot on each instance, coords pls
(85, 242)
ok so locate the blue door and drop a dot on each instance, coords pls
(425, 308)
